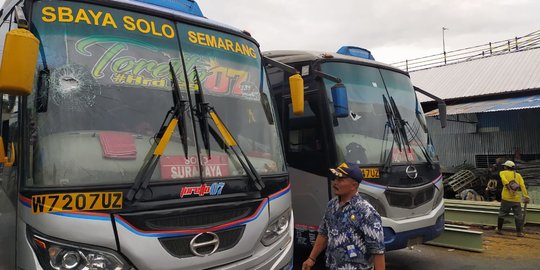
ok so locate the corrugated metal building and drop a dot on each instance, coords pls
(493, 108)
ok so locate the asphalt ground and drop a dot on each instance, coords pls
(501, 252)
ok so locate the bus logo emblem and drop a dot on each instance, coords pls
(202, 190)
(411, 172)
(207, 239)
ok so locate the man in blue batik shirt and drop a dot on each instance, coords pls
(351, 229)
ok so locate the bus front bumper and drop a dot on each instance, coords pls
(431, 226)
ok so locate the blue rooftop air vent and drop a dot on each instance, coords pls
(356, 52)
(186, 6)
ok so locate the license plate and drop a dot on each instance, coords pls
(370, 172)
(73, 202)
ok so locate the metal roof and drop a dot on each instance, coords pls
(507, 73)
(507, 104)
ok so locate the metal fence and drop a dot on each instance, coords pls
(527, 42)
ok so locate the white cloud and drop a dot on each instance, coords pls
(393, 30)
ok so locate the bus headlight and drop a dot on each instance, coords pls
(276, 229)
(375, 203)
(56, 255)
(438, 198)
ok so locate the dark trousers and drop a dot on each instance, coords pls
(505, 209)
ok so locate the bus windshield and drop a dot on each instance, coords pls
(364, 136)
(104, 89)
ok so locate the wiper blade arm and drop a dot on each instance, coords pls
(389, 125)
(228, 142)
(180, 105)
(399, 128)
(391, 122)
(152, 158)
(400, 124)
(202, 113)
(419, 143)
(174, 117)
(231, 143)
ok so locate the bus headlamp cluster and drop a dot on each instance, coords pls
(276, 229)
(63, 256)
(375, 203)
(438, 198)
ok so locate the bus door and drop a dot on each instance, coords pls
(8, 186)
(308, 159)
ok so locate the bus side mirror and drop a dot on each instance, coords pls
(7, 161)
(19, 62)
(340, 100)
(297, 93)
(442, 113)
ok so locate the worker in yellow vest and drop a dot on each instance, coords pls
(513, 193)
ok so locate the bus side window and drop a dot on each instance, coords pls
(9, 119)
(302, 134)
(304, 139)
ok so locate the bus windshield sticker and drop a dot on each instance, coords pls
(370, 173)
(231, 65)
(218, 41)
(69, 15)
(75, 202)
(202, 190)
(115, 46)
(178, 167)
(119, 47)
(402, 156)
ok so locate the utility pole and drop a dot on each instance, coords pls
(443, 45)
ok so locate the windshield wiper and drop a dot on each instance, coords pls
(405, 127)
(390, 121)
(400, 129)
(181, 104)
(202, 112)
(397, 126)
(414, 136)
(205, 109)
(175, 116)
(389, 126)
(400, 124)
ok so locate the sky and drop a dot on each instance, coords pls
(392, 30)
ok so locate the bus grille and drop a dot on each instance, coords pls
(179, 246)
(196, 217)
(409, 200)
(198, 220)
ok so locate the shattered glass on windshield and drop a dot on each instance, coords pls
(73, 87)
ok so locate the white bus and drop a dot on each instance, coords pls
(112, 111)
(365, 112)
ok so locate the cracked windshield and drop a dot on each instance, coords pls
(104, 89)
(364, 136)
